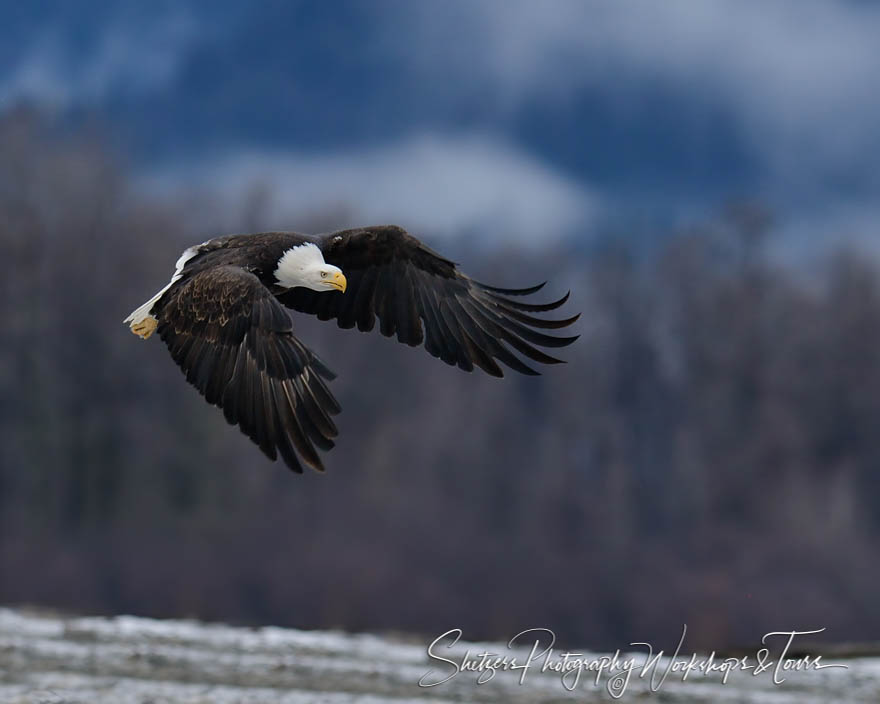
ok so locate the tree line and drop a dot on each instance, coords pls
(709, 455)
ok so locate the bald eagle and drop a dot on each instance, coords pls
(223, 318)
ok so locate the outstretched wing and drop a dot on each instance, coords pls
(235, 344)
(395, 277)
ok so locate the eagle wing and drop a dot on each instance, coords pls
(421, 297)
(234, 342)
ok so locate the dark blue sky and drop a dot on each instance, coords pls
(524, 117)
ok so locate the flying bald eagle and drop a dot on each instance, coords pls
(223, 318)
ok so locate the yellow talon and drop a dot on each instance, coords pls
(146, 327)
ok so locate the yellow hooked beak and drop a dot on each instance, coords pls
(338, 281)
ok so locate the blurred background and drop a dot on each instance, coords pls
(704, 177)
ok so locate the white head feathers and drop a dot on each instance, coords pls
(304, 265)
(295, 262)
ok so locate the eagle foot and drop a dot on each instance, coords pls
(146, 327)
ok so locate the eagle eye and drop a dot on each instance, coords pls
(323, 274)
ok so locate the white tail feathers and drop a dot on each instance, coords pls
(142, 312)
(139, 314)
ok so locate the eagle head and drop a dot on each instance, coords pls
(304, 265)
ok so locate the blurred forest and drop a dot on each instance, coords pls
(710, 455)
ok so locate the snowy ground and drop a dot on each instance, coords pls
(125, 660)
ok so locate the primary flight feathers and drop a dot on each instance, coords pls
(223, 318)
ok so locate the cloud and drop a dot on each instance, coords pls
(797, 77)
(126, 57)
(789, 82)
(430, 183)
(806, 236)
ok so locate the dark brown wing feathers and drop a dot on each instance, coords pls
(420, 297)
(235, 344)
